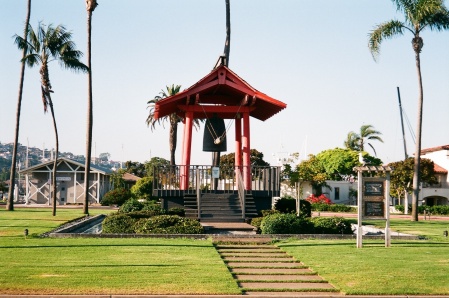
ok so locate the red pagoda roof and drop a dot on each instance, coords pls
(221, 90)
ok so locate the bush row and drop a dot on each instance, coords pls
(333, 208)
(146, 222)
(436, 210)
(289, 223)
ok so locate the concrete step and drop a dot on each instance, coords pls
(265, 270)
(277, 277)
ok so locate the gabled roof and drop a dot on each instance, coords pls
(93, 168)
(130, 177)
(221, 87)
(434, 149)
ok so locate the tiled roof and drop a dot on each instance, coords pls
(434, 149)
(439, 169)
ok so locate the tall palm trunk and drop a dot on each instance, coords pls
(417, 46)
(10, 204)
(90, 6)
(227, 47)
(173, 138)
(55, 162)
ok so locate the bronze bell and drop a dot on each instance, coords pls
(214, 137)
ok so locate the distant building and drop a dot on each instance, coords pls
(69, 181)
(437, 194)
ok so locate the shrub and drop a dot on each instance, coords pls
(170, 224)
(116, 196)
(331, 225)
(177, 211)
(255, 222)
(333, 207)
(130, 206)
(285, 205)
(284, 223)
(268, 212)
(152, 206)
(118, 223)
(288, 205)
(143, 188)
(145, 213)
(305, 208)
(400, 208)
(322, 199)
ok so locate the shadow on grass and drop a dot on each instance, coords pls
(40, 246)
(370, 244)
(101, 266)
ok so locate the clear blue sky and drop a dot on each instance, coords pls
(312, 55)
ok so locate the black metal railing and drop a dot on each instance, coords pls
(167, 180)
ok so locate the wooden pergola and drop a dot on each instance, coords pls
(224, 94)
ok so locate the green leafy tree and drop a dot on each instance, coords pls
(402, 177)
(143, 188)
(90, 7)
(227, 161)
(155, 162)
(418, 15)
(339, 163)
(10, 204)
(48, 44)
(135, 168)
(313, 171)
(358, 141)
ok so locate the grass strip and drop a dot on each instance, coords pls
(279, 273)
(405, 268)
(267, 267)
(289, 290)
(283, 281)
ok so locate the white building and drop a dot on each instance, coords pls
(437, 194)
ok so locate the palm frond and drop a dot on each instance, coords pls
(384, 31)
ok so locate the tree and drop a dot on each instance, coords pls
(173, 118)
(418, 15)
(339, 163)
(50, 44)
(256, 158)
(10, 204)
(311, 170)
(143, 188)
(136, 168)
(155, 162)
(90, 7)
(402, 176)
(357, 142)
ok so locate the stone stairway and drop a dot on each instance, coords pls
(219, 207)
(266, 270)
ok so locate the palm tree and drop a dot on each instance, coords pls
(90, 6)
(10, 204)
(418, 15)
(174, 119)
(352, 141)
(357, 142)
(47, 45)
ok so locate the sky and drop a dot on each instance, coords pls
(311, 55)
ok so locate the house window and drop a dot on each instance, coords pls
(337, 193)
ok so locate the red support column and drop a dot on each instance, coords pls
(186, 151)
(246, 152)
(238, 143)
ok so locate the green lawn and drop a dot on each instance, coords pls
(406, 268)
(103, 266)
(184, 266)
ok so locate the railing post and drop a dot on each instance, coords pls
(198, 193)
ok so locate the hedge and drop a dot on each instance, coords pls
(285, 223)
